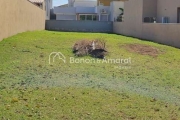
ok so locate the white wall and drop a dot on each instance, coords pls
(167, 34)
(98, 9)
(85, 3)
(70, 3)
(48, 8)
(167, 8)
(64, 10)
(133, 17)
(114, 8)
(65, 17)
(149, 8)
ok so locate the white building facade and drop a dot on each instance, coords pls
(86, 10)
(48, 7)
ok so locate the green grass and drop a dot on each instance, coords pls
(31, 88)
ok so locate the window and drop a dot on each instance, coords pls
(94, 17)
(88, 17)
(82, 17)
(178, 15)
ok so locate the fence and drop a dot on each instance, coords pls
(79, 26)
(19, 16)
(168, 34)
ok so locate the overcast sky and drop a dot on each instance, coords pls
(59, 2)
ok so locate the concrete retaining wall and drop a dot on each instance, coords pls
(168, 34)
(18, 16)
(79, 26)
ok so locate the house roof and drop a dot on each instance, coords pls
(65, 5)
(37, 1)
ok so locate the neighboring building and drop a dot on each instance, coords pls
(107, 2)
(39, 3)
(45, 5)
(115, 11)
(92, 10)
(156, 20)
(139, 12)
(65, 5)
(52, 15)
(104, 2)
(48, 7)
(164, 11)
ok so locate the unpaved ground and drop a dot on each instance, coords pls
(31, 87)
(143, 49)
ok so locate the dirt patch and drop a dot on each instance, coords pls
(143, 49)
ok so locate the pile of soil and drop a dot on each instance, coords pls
(143, 49)
(95, 48)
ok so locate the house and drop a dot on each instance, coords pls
(107, 2)
(45, 5)
(39, 3)
(91, 10)
(163, 11)
(139, 12)
(156, 20)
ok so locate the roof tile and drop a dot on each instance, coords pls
(36, 1)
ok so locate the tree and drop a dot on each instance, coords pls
(120, 17)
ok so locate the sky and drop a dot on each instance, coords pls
(59, 2)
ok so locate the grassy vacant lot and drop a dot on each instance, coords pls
(31, 88)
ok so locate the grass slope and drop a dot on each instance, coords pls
(31, 88)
